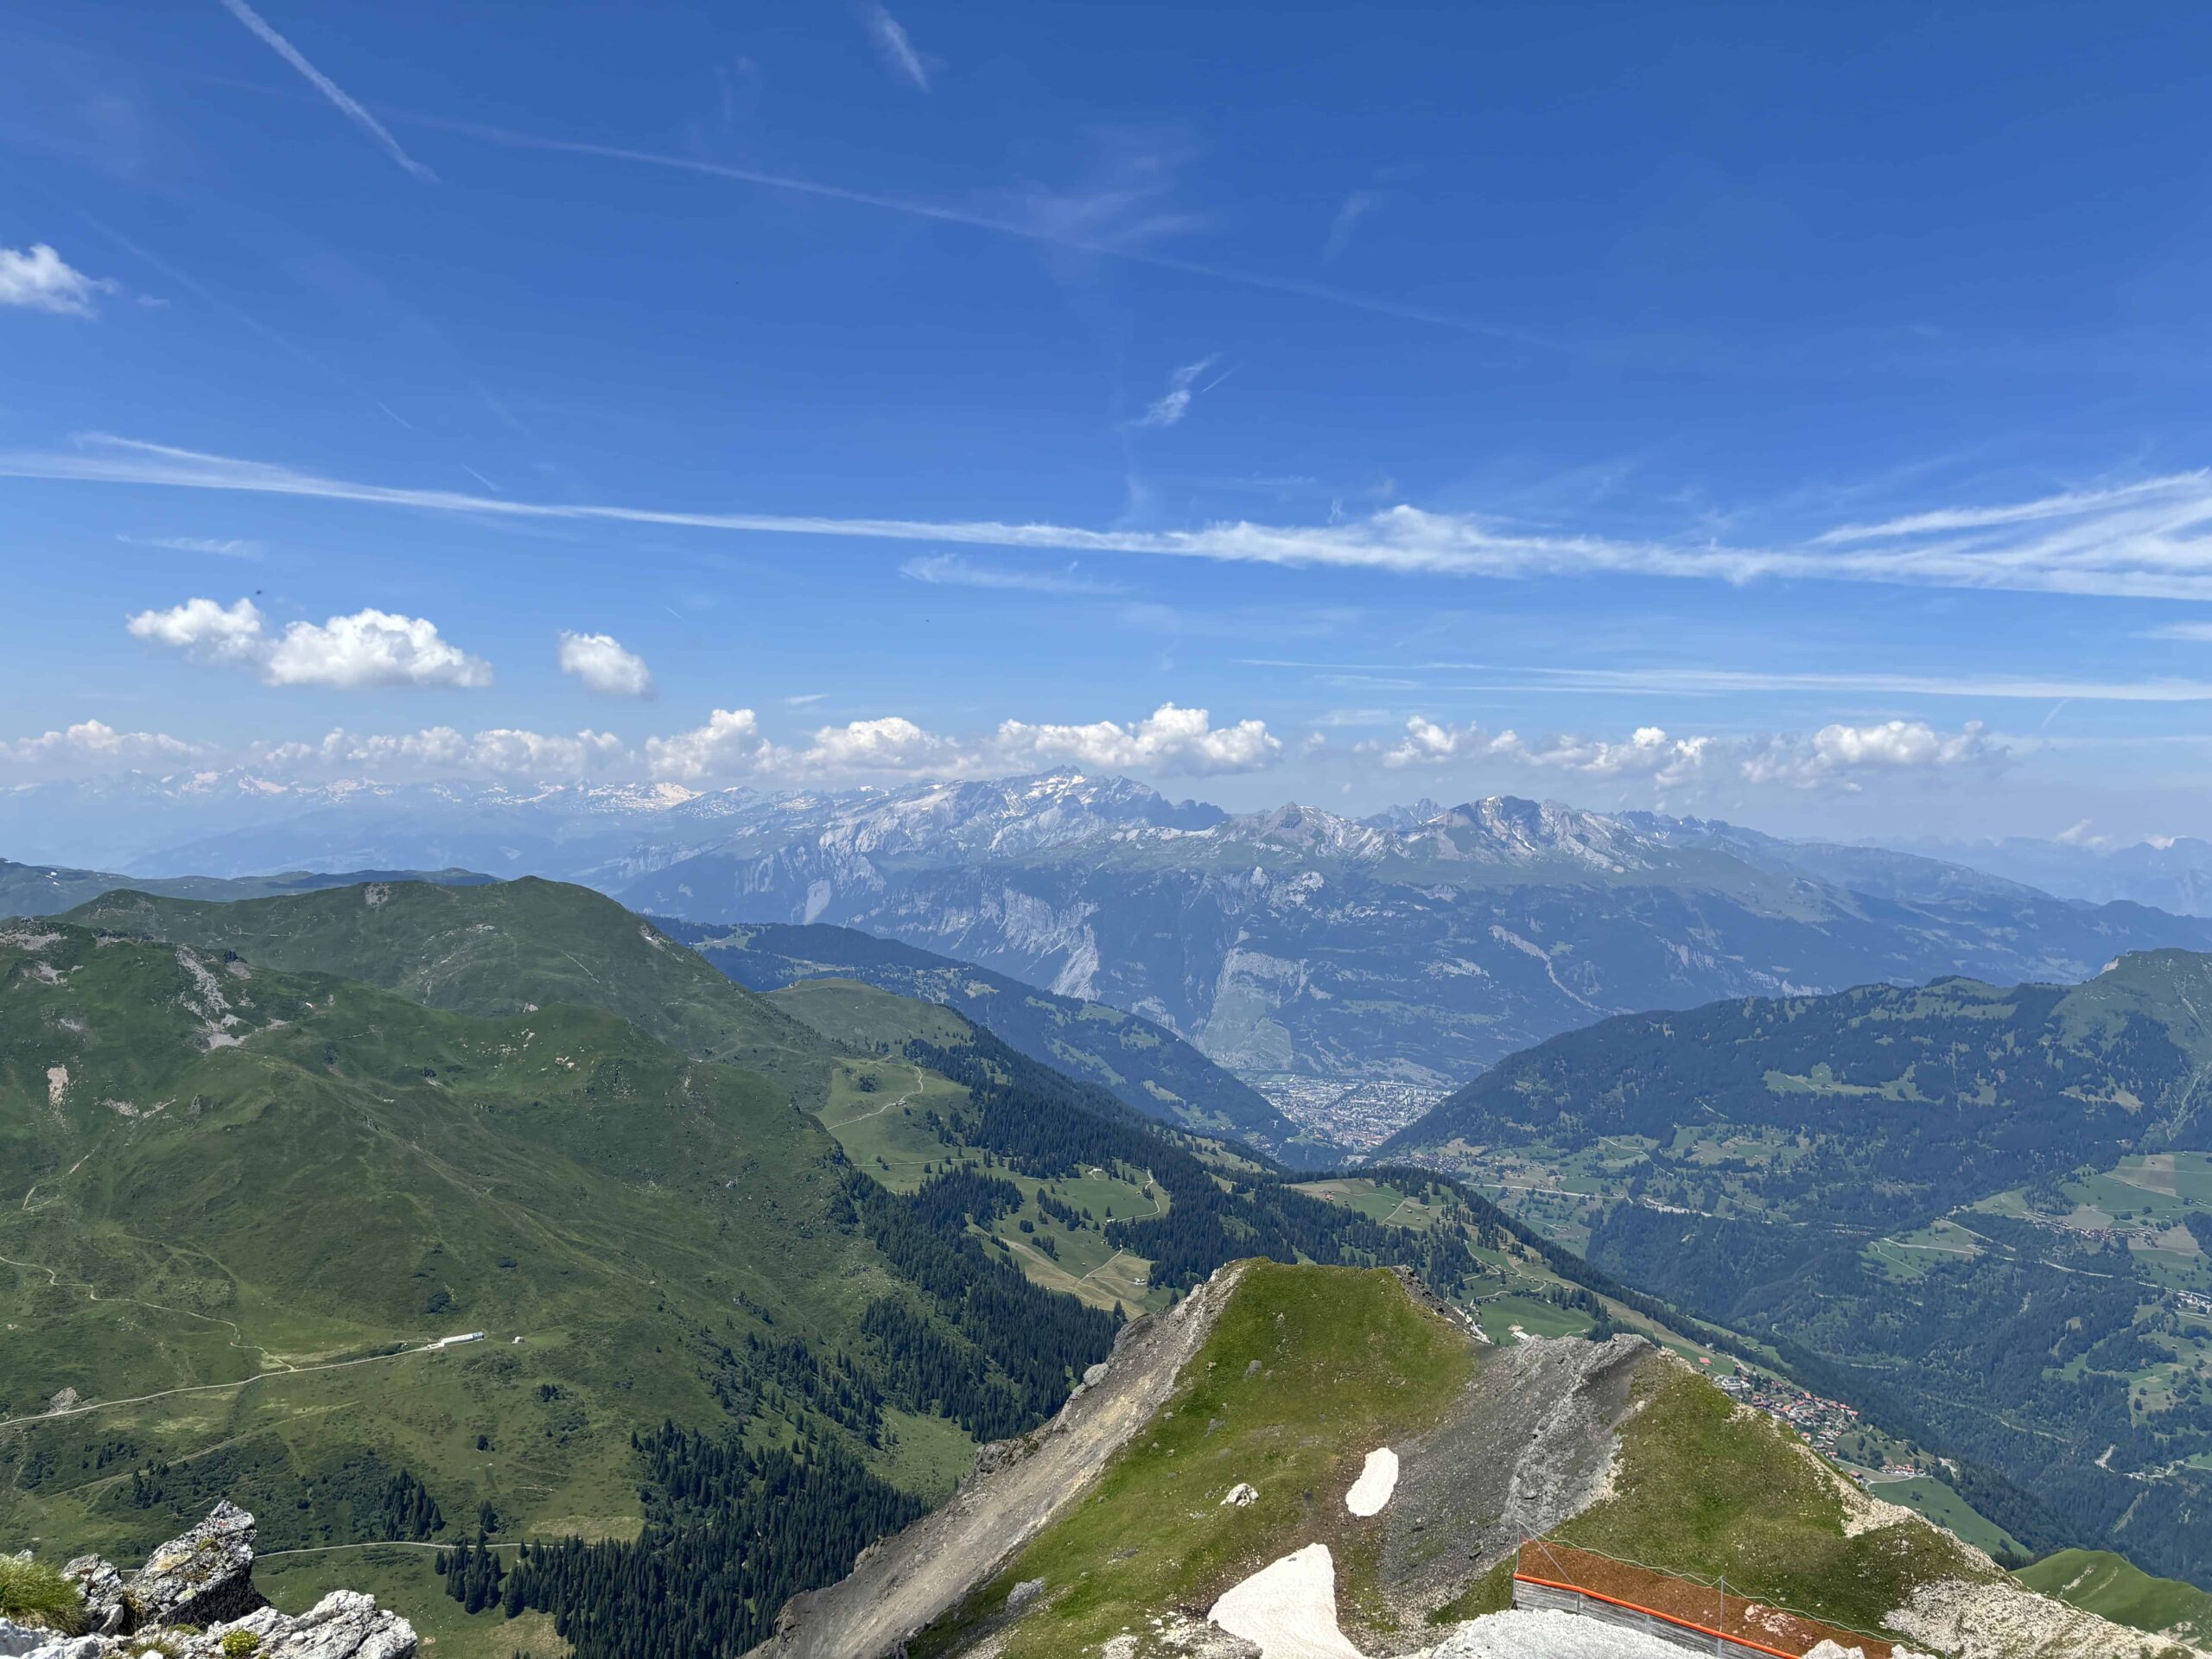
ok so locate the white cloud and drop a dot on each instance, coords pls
(346, 106)
(501, 751)
(952, 570)
(1836, 754)
(893, 744)
(1648, 753)
(1837, 751)
(96, 742)
(731, 745)
(1170, 740)
(1174, 403)
(37, 278)
(600, 661)
(2196, 633)
(1431, 743)
(728, 746)
(2151, 540)
(369, 648)
(898, 51)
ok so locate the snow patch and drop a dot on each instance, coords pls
(1289, 1609)
(1377, 1480)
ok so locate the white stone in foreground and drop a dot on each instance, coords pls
(1375, 1483)
(1532, 1634)
(1290, 1609)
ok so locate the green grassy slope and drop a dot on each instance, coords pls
(1307, 1370)
(345, 1171)
(1144, 1065)
(241, 1200)
(496, 949)
(2112, 1587)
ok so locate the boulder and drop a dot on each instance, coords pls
(70, 1647)
(203, 1577)
(16, 1639)
(344, 1624)
(100, 1582)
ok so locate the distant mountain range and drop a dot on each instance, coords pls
(1298, 941)
(1422, 944)
(2170, 873)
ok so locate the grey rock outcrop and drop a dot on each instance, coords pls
(196, 1590)
(344, 1624)
(100, 1582)
(204, 1577)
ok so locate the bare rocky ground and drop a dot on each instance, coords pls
(898, 1587)
(1529, 1443)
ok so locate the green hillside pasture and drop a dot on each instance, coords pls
(1346, 1362)
(1937, 1501)
(1702, 1488)
(505, 949)
(265, 1239)
(2112, 1588)
(1376, 1200)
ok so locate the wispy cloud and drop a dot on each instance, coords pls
(347, 105)
(221, 547)
(1718, 682)
(2151, 541)
(1355, 207)
(1171, 405)
(2199, 631)
(898, 51)
(1075, 232)
(39, 279)
(952, 570)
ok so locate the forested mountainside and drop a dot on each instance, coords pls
(401, 1213)
(1972, 1209)
(1141, 1064)
(1297, 940)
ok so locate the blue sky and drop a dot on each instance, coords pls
(1793, 414)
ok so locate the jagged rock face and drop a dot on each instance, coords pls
(100, 1582)
(344, 1624)
(203, 1577)
(203, 1582)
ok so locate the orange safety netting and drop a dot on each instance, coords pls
(1707, 1608)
